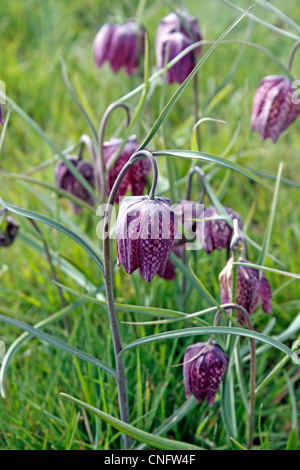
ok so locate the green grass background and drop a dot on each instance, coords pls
(34, 36)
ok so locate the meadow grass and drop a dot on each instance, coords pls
(35, 35)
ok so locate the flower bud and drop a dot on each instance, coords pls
(249, 289)
(203, 375)
(135, 178)
(9, 231)
(218, 233)
(175, 33)
(120, 45)
(145, 234)
(273, 108)
(67, 181)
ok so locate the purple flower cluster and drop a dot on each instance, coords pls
(175, 33)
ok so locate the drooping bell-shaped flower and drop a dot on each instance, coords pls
(135, 178)
(67, 181)
(145, 234)
(250, 288)
(217, 232)
(120, 45)
(8, 231)
(204, 372)
(176, 32)
(273, 107)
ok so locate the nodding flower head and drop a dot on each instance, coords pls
(217, 233)
(204, 371)
(8, 231)
(135, 178)
(176, 32)
(67, 181)
(249, 288)
(145, 234)
(120, 45)
(273, 108)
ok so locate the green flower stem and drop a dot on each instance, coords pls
(295, 47)
(100, 164)
(108, 275)
(252, 383)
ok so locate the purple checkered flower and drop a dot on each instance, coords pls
(135, 178)
(145, 234)
(120, 45)
(273, 108)
(8, 232)
(175, 33)
(217, 233)
(204, 371)
(169, 273)
(249, 289)
(67, 181)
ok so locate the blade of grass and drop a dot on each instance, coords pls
(150, 439)
(268, 232)
(16, 345)
(58, 344)
(207, 157)
(58, 226)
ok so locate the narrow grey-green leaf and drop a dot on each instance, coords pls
(146, 437)
(58, 226)
(58, 343)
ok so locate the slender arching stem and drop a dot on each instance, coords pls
(295, 47)
(100, 165)
(119, 358)
(201, 175)
(85, 140)
(251, 411)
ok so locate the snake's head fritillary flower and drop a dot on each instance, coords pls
(204, 367)
(176, 32)
(250, 288)
(9, 231)
(217, 232)
(67, 181)
(273, 107)
(120, 45)
(145, 234)
(135, 178)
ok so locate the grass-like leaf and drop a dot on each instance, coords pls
(58, 226)
(146, 437)
(16, 345)
(58, 343)
(204, 330)
(207, 157)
